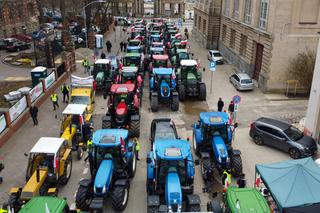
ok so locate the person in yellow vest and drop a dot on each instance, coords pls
(54, 99)
(3, 210)
(65, 89)
(136, 141)
(85, 64)
(226, 179)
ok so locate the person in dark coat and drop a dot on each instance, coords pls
(65, 89)
(121, 46)
(125, 44)
(220, 105)
(103, 55)
(109, 46)
(34, 114)
(231, 110)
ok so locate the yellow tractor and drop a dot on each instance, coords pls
(82, 91)
(49, 165)
(76, 127)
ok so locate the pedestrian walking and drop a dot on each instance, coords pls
(54, 99)
(109, 46)
(136, 141)
(103, 55)
(85, 64)
(220, 105)
(125, 44)
(34, 114)
(231, 111)
(65, 89)
(121, 46)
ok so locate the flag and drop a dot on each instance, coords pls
(226, 182)
(123, 146)
(258, 181)
(47, 209)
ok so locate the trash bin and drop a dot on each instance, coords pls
(99, 41)
(37, 73)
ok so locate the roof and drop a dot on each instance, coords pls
(74, 109)
(157, 43)
(243, 75)
(129, 69)
(214, 118)
(280, 124)
(172, 149)
(160, 57)
(155, 35)
(188, 63)
(49, 145)
(132, 55)
(182, 51)
(156, 49)
(102, 61)
(133, 47)
(38, 204)
(122, 88)
(292, 183)
(109, 137)
(250, 200)
(39, 69)
(162, 71)
(214, 51)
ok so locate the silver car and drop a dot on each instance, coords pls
(241, 81)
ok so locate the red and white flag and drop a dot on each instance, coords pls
(123, 146)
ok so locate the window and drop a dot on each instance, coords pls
(243, 45)
(277, 133)
(204, 26)
(199, 23)
(265, 129)
(224, 32)
(227, 8)
(195, 19)
(263, 14)
(247, 11)
(232, 38)
(309, 11)
(236, 9)
(30, 9)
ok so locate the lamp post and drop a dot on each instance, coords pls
(85, 19)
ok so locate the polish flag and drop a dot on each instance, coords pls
(258, 181)
(123, 146)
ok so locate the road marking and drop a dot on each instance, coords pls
(73, 206)
(85, 171)
(75, 194)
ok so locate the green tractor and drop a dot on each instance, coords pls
(239, 200)
(133, 60)
(180, 54)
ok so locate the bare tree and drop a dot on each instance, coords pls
(41, 15)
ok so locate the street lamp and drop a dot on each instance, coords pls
(85, 19)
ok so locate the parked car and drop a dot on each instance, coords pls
(17, 46)
(241, 81)
(22, 37)
(215, 55)
(283, 136)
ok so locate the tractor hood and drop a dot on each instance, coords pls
(165, 89)
(173, 191)
(103, 177)
(121, 109)
(220, 149)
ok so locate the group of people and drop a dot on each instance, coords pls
(231, 108)
(123, 46)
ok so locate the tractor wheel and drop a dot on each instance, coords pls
(182, 92)
(79, 153)
(175, 103)
(44, 189)
(83, 198)
(13, 202)
(236, 162)
(154, 103)
(195, 146)
(133, 165)
(206, 168)
(202, 92)
(106, 122)
(67, 171)
(152, 209)
(214, 206)
(120, 197)
(258, 140)
(294, 153)
(134, 130)
(194, 208)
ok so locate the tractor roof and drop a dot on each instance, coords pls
(133, 47)
(102, 61)
(182, 51)
(162, 71)
(133, 55)
(160, 57)
(109, 137)
(172, 149)
(38, 204)
(156, 49)
(157, 43)
(122, 88)
(155, 35)
(74, 109)
(47, 145)
(214, 118)
(188, 63)
(249, 200)
(134, 40)
(129, 69)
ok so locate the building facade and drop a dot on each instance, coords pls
(261, 36)
(206, 23)
(17, 16)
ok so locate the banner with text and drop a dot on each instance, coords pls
(3, 123)
(48, 81)
(36, 92)
(18, 108)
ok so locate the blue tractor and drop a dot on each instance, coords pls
(163, 89)
(212, 137)
(170, 177)
(112, 161)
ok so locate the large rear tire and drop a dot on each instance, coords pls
(83, 198)
(134, 130)
(195, 145)
(206, 169)
(175, 103)
(154, 103)
(13, 202)
(133, 164)
(106, 122)
(182, 92)
(236, 169)
(152, 209)
(120, 197)
(202, 92)
(194, 208)
(67, 171)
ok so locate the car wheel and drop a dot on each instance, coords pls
(258, 140)
(294, 153)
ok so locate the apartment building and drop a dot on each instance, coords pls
(261, 36)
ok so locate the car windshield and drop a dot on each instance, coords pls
(216, 54)
(164, 131)
(246, 81)
(167, 166)
(293, 133)
(80, 100)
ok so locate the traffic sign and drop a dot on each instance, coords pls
(236, 107)
(212, 66)
(236, 99)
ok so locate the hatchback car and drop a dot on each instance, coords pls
(241, 81)
(283, 136)
(215, 55)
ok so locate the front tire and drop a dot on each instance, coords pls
(258, 140)
(175, 103)
(133, 164)
(152, 209)
(154, 103)
(206, 169)
(83, 198)
(106, 122)
(120, 197)
(194, 208)
(236, 169)
(195, 145)
(202, 92)
(134, 130)
(67, 171)
(182, 93)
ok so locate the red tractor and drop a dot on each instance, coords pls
(123, 109)
(159, 61)
(130, 75)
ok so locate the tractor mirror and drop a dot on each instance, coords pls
(149, 160)
(235, 125)
(204, 69)
(130, 149)
(196, 162)
(25, 154)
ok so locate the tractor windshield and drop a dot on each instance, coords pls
(41, 160)
(220, 130)
(166, 78)
(191, 76)
(104, 153)
(131, 61)
(134, 43)
(160, 63)
(80, 100)
(100, 68)
(133, 50)
(155, 39)
(166, 166)
(123, 97)
(183, 56)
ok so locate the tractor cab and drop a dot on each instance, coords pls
(159, 61)
(129, 75)
(134, 42)
(181, 44)
(163, 77)
(154, 32)
(157, 44)
(134, 49)
(155, 38)
(102, 73)
(170, 166)
(134, 60)
(156, 51)
(181, 54)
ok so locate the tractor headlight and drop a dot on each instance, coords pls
(228, 160)
(94, 190)
(219, 159)
(104, 189)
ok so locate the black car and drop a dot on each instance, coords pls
(283, 136)
(17, 46)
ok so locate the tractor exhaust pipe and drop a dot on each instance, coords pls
(38, 174)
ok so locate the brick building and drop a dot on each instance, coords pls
(206, 23)
(261, 36)
(18, 16)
